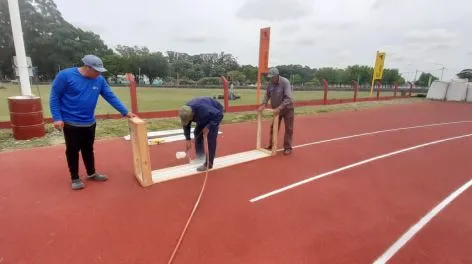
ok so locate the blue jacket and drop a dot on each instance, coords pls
(208, 112)
(74, 97)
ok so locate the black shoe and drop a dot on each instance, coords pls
(287, 152)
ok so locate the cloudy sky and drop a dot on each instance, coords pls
(418, 35)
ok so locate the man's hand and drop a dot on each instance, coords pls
(188, 145)
(260, 108)
(130, 115)
(59, 125)
(276, 111)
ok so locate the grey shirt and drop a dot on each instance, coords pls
(280, 95)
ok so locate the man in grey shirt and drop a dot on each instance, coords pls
(279, 92)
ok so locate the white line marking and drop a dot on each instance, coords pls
(378, 132)
(416, 228)
(258, 198)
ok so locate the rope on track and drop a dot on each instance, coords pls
(172, 257)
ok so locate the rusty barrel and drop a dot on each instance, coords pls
(26, 116)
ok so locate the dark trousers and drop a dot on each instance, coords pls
(288, 114)
(212, 137)
(79, 139)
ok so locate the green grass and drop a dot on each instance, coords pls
(158, 99)
(119, 128)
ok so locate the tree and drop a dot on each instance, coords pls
(424, 79)
(54, 44)
(50, 41)
(465, 74)
(236, 76)
(154, 65)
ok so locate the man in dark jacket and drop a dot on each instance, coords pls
(207, 113)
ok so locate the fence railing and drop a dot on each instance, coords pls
(398, 92)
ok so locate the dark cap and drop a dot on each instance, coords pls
(272, 72)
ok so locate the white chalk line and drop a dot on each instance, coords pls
(420, 224)
(291, 186)
(378, 132)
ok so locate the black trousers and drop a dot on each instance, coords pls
(79, 139)
(212, 137)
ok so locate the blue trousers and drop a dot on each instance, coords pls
(199, 141)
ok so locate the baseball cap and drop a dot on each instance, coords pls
(94, 62)
(186, 114)
(272, 72)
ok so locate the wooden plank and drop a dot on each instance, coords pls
(140, 148)
(163, 133)
(259, 129)
(275, 135)
(266, 151)
(275, 120)
(186, 170)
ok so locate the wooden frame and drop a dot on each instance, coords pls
(142, 160)
(140, 148)
(275, 121)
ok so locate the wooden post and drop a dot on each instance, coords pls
(225, 93)
(378, 90)
(325, 97)
(140, 148)
(132, 92)
(259, 130)
(264, 43)
(356, 88)
(275, 121)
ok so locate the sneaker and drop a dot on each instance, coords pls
(97, 177)
(287, 152)
(77, 184)
(203, 168)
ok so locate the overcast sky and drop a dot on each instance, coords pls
(415, 34)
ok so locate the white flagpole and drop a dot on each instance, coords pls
(17, 31)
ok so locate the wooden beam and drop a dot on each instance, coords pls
(190, 169)
(259, 130)
(275, 121)
(275, 134)
(140, 148)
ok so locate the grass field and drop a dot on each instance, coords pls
(119, 127)
(158, 99)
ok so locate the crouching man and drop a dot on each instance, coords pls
(207, 113)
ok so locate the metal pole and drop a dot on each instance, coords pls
(25, 86)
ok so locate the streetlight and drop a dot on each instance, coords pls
(442, 69)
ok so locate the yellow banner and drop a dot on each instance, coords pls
(379, 65)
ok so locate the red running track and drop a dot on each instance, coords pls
(349, 217)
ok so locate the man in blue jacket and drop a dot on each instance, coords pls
(72, 103)
(207, 113)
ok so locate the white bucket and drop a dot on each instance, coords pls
(180, 154)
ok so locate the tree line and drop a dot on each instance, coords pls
(54, 44)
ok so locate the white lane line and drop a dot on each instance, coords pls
(288, 187)
(416, 228)
(378, 132)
